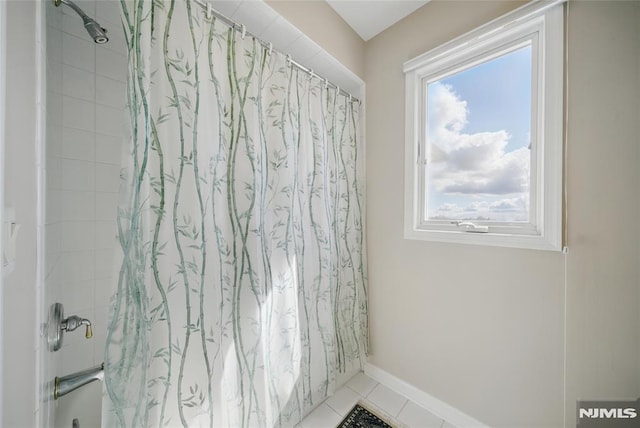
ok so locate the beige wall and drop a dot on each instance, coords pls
(482, 328)
(325, 27)
(604, 146)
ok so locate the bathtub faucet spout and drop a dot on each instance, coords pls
(66, 384)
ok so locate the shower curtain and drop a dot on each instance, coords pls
(241, 293)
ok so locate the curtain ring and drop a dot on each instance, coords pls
(288, 60)
(270, 48)
(209, 11)
(326, 83)
(243, 31)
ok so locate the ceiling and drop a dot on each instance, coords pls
(370, 17)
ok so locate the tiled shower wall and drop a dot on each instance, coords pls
(85, 117)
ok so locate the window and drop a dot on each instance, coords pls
(483, 150)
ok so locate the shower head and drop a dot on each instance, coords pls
(97, 33)
(94, 29)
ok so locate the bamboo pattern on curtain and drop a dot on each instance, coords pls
(241, 293)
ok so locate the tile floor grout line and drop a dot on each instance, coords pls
(402, 408)
(372, 389)
(335, 410)
(354, 391)
(366, 402)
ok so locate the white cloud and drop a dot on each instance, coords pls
(508, 209)
(473, 164)
(447, 207)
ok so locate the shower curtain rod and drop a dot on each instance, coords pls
(210, 11)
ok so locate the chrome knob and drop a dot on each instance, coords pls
(74, 321)
(57, 325)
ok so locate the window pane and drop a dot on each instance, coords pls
(479, 141)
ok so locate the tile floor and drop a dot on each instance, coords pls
(397, 409)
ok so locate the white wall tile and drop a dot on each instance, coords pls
(73, 25)
(104, 264)
(102, 314)
(87, 6)
(54, 75)
(100, 333)
(226, 7)
(78, 83)
(255, 23)
(108, 12)
(77, 355)
(110, 92)
(77, 236)
(79, 219)
(54, 43)
(302, 51)
(78, 114)
(78, 205)
(84, 405)
(52, 238)
(105, 235)
(54, 137)
(53, 17)
(77, 265)
(281, 33)
(107, 177)
(106, 205)
(110, 120)
(53, 206)
(53, 173)
(108, 149)
(77, 175)
(78, 144)
(52, 268)
(103, 289)
(117, 41)
(77, 296)
(111, 64)
(54, 108)
(78, 52)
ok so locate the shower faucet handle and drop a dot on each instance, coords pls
(57, 324)
(73, 322)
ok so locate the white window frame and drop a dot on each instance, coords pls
(540, 23)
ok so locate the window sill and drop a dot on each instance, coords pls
(531, 242)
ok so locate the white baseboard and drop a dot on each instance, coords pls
(439, 408)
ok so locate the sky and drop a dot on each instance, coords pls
(479, 127)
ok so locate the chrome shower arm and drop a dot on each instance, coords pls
(95, 30)
(73, 6)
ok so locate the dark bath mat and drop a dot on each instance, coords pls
(359, 417)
